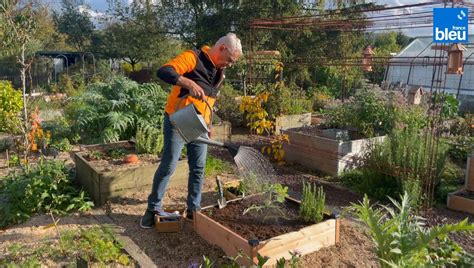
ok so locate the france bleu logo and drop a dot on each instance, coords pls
(450, 25)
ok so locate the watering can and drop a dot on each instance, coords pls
(193, 128)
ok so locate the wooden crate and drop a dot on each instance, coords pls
(324, 154)
(164, 226)
(306, 240)
(102, 185)
(291, 121)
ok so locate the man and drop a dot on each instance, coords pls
(196, 76)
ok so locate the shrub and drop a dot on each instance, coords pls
(228, 107)
(370, 112)
(404, 157)
(11, 104)
(402, 240)
(111, 112)
(312, 203)
(284, 100)
(46, 187)
(149, 140)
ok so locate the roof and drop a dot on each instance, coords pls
(414, 90)
(421, 47)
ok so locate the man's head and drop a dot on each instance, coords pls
(226, 51)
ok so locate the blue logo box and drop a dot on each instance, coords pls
(450, 25)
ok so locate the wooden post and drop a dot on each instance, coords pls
(470, 173)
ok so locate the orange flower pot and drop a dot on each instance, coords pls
(130, 159)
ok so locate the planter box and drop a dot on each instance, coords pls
(461, 203)
(291, 121)
(222, 131)
(306, 240)
(164, 225)
(6, 141)
(322, 153)
(102, 185)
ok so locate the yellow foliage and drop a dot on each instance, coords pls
(255, 114)
(275, 149)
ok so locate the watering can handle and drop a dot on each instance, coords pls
(205, 101)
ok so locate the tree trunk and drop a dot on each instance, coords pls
(23, 70)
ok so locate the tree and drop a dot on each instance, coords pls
(76, 25)
(18, 28)
(137, 36)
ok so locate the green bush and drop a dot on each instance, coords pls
(46, 187)
(397, 165)
(402, 239)
(460, 147)
(11, 104)
(228, 107)
(149, 140)
(370, 113)
(285, 100)
(111, 112)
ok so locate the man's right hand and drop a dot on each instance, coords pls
(194, 89)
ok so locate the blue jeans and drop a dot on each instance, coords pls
(172, 146)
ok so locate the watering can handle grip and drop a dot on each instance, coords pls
(205, 101)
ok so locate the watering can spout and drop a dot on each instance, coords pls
(232, 148)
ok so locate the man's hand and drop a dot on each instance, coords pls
(194, 88)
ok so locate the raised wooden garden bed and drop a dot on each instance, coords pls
(291, 121)
(222, 131)
(324, 150)
(463, 200)
(114, 178)
(236, 233)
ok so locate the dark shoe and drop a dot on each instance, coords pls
(148, 219)
(189, 215)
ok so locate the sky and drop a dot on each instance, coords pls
(99, 6)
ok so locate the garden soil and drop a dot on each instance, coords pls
(180, 249)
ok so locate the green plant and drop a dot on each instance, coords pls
(293, 262)
(312, 203)
(95, 155)
(216, 166)
(460, 147)
(113, 111)
(14, 160)
(371, 112)
(400, 237)
(62, 145)
(46, 187)
(117, 153)
(272, 196)
(96, 244)
(149, 140)
(99, 244)
(447, 104)
(11, 104)
(401, 163)
(228, 107)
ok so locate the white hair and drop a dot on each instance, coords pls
(231, 42)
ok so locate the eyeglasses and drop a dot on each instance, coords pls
(230, 60)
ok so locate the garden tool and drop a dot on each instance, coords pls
(193, 128)
(220, 190)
